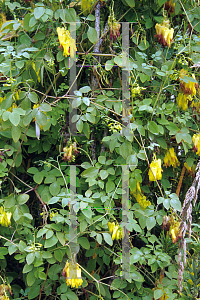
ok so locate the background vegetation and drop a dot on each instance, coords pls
(47, 129)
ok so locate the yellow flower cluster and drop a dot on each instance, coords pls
(188, 91)
(5, 217)
(171, 159)
(182, 101)
(141, 199)
(52, 214)
(164, 34)
(3, 289)
(155, 171)
(196, 143)
(66, 42)
(72, 274)
(86, 6)
(115, 230)
(171, 224)
(190, 87)
(70, 152)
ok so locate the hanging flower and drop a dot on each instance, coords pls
(190, 87)
(5, 217)
(114, 30)
(190, 170)
(164, 34)
(72, 274)
(172, 225)
(170, 7)
(66, 42)
(196, 143)
(140, 198)
(171, 159)
(155, 171)
(70, 152)
(115, 230)
(182, 101)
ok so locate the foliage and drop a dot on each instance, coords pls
(74, 149)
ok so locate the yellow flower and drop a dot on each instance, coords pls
(5, 297)
(5, 217)
(37, 72)
(171, 159)
(190, 87)
(52, 214)
(115, 230)
(155, 171)
(182, 101)
(196, 142)
(140, 198)
(72, 273)
(66, 42)
(36, 106)
(187, 167)
(164, 34)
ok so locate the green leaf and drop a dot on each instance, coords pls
(34, 292)
(92, 35)
(41, 118)
(53, 200)
(70, 15)
(153, 127)
(39, 12)
(131, 3)
(102, 160)
(90, 172)
(83, 241)
(23, 198)
(33, 97)
(136, 254)
(27, 268)
(161, 2)
(60, 237)
(45, 107)
(16, 132)
(176, 204)
(14, 118)
(132, 161)
(71, 295)
(158, 293)
(38, 177)
(58, 254)
(27, 119)
(32, 170)
(136, 276)
(54, 188)
(30, 258)
(86, 129)
(166, 203)
(103, 174)
(51, 242)
(107, 238)
(110, 186)
(79, 125)
(30, 278)
(151, 222)
(173, 129)
(85, 89)
(125, 149)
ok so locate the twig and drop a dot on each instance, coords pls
(44, 283)
(180, 181)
